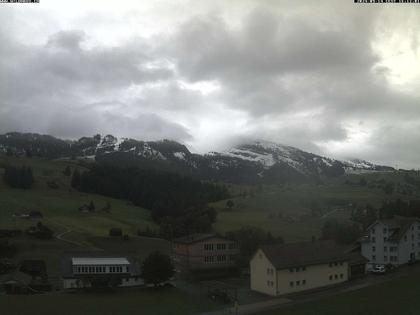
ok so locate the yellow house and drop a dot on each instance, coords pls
(289, 268)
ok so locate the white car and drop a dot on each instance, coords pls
(379, 269)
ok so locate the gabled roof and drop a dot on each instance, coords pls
(80, 256)
(398, 224)
(304, 253)
(99, 261)
(195, 238)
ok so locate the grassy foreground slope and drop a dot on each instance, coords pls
(400, 296)
(169, 301)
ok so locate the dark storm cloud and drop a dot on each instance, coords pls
(48, 88)
(296, 73)
(275, 67)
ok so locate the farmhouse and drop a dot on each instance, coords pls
(82, 271)
(204, 252)
(289, 268)
(394, 241)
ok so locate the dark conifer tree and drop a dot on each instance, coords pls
(67, 171)
(75, 179)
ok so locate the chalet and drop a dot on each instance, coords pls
(394, 241)
(289, 268)
(204, 252)
(90, 270)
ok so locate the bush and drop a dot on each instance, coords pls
(157, 268)
(115, 232)
(40, 231)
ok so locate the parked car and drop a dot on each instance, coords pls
(379, 270)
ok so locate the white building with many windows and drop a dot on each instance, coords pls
(93, 270)
(394, 241)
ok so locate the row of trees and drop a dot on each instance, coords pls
(249, 238)
(367, 215)
(18, 177)
(178, 203)
(341, 232)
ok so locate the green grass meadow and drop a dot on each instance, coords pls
(166, 301)
(400, 296)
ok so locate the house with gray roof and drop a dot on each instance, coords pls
(394, 241)
(290, 268)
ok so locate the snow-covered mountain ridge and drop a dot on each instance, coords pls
(246, 162)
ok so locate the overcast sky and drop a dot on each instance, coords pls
(331, 77)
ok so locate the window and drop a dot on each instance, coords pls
(385, 249)
(221, 246)
(208, 246)
(291, 284)
(297, 269)
(336, 264)
(303, 282)
(341, 276)
(405, 238)
(373, 248)
(298, 283)
(335, 276)
(221, 258)
(232, 257)
(384, 230)
(303, 268)
(385, 258)
(232, 245)
(291, 269)
(341, 263)
(373, 231)
(208, 259)
(331, 277)
(373, 257)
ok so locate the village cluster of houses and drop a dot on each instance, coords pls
(274, 269)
